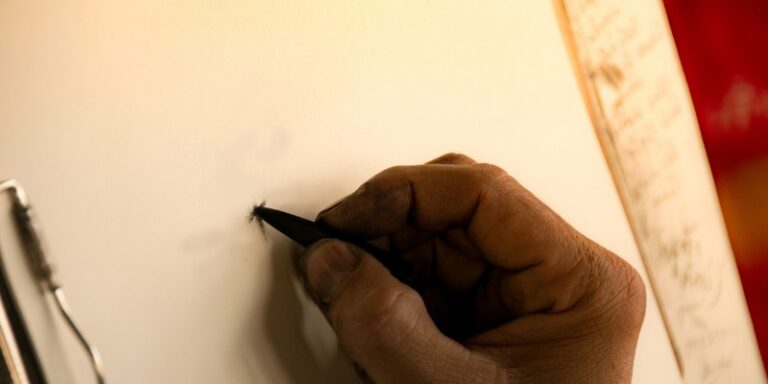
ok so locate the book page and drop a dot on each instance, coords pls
(637, 96)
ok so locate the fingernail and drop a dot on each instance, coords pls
(332, 206)
(325, 265)
(341, 201)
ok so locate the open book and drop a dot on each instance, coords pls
(143, 130)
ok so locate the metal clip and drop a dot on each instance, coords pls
(32, 236)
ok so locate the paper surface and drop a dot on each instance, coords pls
(143, 131)
(642, 112)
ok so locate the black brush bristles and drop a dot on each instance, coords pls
(254, 216)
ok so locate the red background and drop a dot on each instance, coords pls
(723, 47)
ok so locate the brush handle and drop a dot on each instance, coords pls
(401, 269)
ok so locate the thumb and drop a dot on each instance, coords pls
(381, 323)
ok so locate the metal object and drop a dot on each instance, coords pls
(32, 235)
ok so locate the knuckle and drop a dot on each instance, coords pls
(615, 288)
(391, 318)
(454, 158)
(626, 292)
(634, 288)
(394, 171)
(457, 156)
(491, 171)
(491, 175)
(385, 320)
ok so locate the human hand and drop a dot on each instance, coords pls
(514, 294)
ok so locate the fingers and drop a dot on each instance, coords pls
(508, 277)
(506, 223)
(381, 323)
(476, 212)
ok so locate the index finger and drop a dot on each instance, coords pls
(504, 221)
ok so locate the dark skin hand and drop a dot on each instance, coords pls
(514, 293)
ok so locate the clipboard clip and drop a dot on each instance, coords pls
(32, 236)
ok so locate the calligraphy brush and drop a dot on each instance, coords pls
(306, 232)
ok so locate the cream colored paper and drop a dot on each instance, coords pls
(142, 130)
(636, 92)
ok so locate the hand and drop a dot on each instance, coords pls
(514, 293)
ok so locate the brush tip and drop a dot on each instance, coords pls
(256, 216)
(255, 212)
